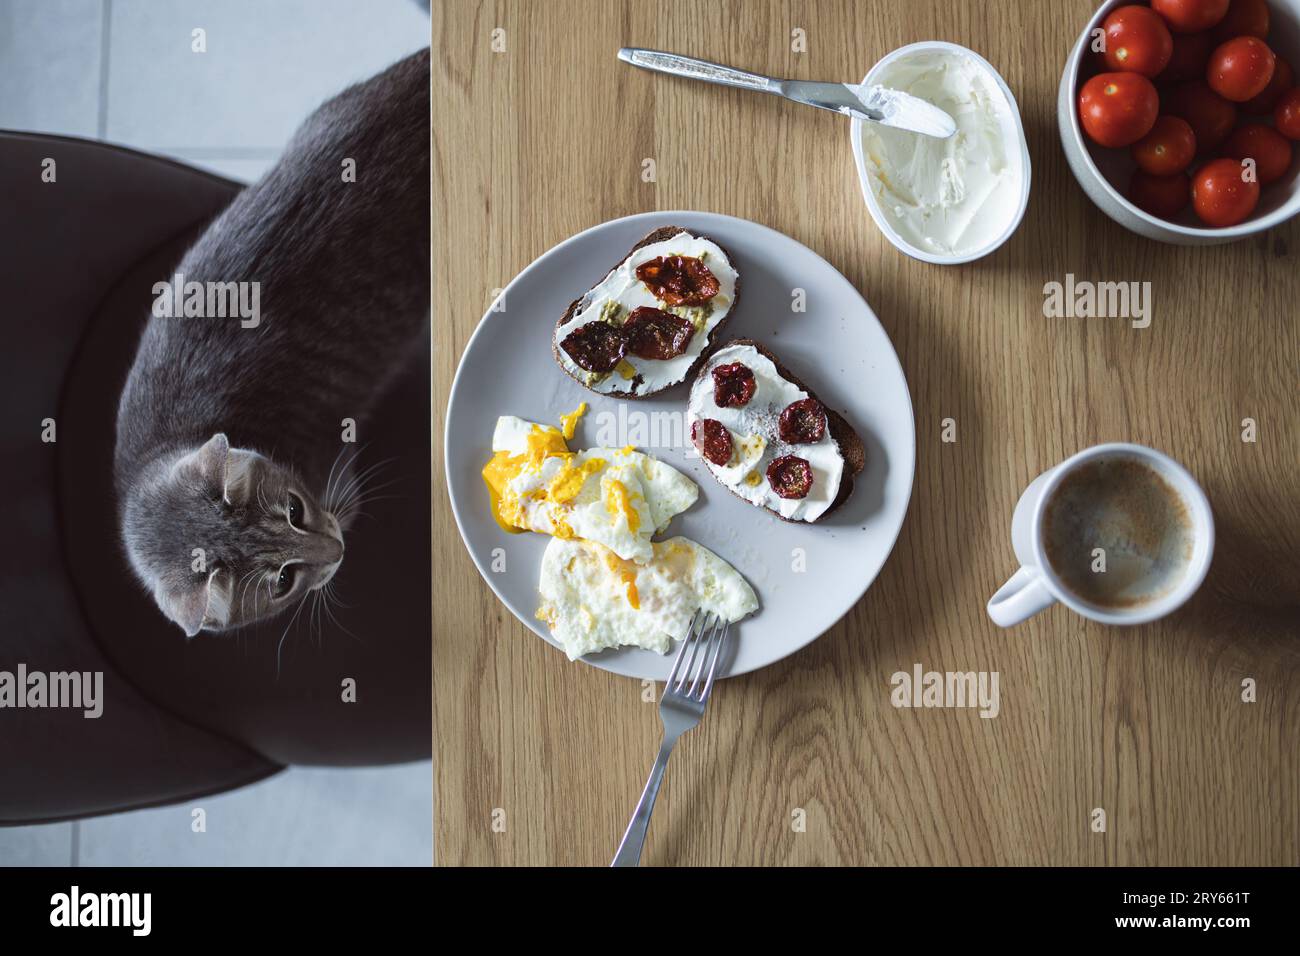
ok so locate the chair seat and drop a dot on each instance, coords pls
(180, 718)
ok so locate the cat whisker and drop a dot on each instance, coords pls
(338, 484)
(356, 481)
(330, 596)
(329, 588)
(360, 495)
(336, 481)
(245, 581)
(352, 508)
(318, 619)
(280, 646)
(367, 494)
(329, 481)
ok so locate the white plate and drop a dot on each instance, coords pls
(837, 346)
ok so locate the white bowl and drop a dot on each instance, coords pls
(1013, 133)
(1104, 173)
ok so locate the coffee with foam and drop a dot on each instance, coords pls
(1117, 533)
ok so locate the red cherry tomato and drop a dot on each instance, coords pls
(1220, 196)
(1190, 54)
(1241, 68)
(1137, 41)
(1283, 80)
(1163, 196)
(1245, 18)
(1210, 115)
(1167, 149)
(1118, 109)
(1189, 16)
(1266, 146)
(1286, 115)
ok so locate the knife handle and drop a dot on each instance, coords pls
(694, 69)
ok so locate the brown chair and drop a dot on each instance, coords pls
(181, 719)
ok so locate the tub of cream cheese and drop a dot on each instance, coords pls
(945, 200)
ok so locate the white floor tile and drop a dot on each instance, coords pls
(49, 65)
(267, 65)
(305, 816)
(47, 845)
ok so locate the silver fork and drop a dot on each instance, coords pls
(680, 709)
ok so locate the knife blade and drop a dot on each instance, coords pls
(875, 103)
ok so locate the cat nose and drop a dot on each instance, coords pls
(323, 549)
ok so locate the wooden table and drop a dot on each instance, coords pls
(540, 761)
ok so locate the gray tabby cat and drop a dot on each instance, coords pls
(229, 432)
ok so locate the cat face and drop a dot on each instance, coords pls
(225, 537)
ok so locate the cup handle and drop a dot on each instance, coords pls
(1023, 596)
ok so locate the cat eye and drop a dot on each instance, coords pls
(284, 581)
(295, 510)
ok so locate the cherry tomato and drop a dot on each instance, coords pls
(1167, 149)
(1241, 68)
(1245, 18)
(1283, 80)
(1163, 196)
(1210, 115)
(1190, 54)
(1189, 16)
(1220, 196)
(1137, 41)
(1286, 115)
(1118, 109)
(1266, 146)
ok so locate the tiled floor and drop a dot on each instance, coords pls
(126, 71)
(305, 816)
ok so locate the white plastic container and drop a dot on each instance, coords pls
(1002, 218)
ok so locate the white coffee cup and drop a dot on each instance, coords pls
(1037, 586)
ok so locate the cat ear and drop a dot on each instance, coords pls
(211, 459)
(239, 475)
(208, 462)
(186, 606)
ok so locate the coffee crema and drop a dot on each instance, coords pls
(1138, 520)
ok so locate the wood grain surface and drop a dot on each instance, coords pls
(540, 761)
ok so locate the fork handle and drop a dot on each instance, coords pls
(629, 851)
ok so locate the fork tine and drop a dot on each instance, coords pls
(698, 674)
(696, 638)
(687, 641)
(713, 664)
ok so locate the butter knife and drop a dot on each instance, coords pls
(874, 103)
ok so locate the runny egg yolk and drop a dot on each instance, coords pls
(502, 468)
(569, 422)
(625, 571)
(619, 501)
(569, 480)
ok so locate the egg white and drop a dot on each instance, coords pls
(589, 603)
(625, 497)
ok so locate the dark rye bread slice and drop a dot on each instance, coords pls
(659, 235)
(850, 445)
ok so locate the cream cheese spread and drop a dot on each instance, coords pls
(622, 288)
(949, 196)
(756, 442)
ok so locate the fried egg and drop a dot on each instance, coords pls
(619, 498)
(592, 599)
